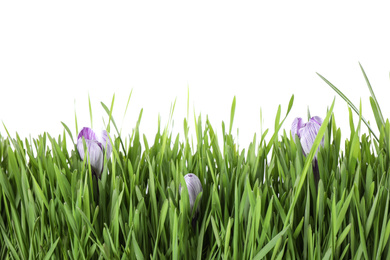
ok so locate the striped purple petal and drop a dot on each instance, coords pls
(308, 135)
(317, 120)
(307, 132)
(194, 187)
(95, 153)
(95, 147)
(87, 133)
(105, 141)
(297, 124)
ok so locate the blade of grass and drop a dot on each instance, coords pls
(127, 105)
(349, 103)
(111, 119)
(51, 250)
(90, 110)
(263, 252)
(75, 118)
(232, 110)
(68, 131)
(382, 121)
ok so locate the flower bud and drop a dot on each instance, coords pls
(95, 148)
(194, 187)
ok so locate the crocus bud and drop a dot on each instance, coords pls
(306, 132)
(95, 147)
(193, 186)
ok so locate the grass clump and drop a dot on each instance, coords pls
(257, 203)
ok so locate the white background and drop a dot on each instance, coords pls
(54, 54)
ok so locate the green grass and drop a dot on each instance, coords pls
(257, 203)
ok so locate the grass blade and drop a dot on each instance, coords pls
(349, 103)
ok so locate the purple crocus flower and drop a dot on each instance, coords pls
(306, 132)
(96, 145)
(193, 186)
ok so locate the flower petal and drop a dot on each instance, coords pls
(87, 133)
(308, 135)
(95, 153)
(296, 125)
(193, 186)
(317, 120)
(105, 140)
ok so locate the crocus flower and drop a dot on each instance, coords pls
(193, 186)
(96, 145)
(306, 132)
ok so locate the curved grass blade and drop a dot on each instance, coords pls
(279, 125)
(68, 131)
(373, 96)
(377, 113)
(349, 103)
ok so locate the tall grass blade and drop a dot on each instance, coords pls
(349, 103)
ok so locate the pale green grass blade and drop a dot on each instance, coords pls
(90, 111)
(75, 118)
(127, 105)
(232, 111)
(110, 115)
